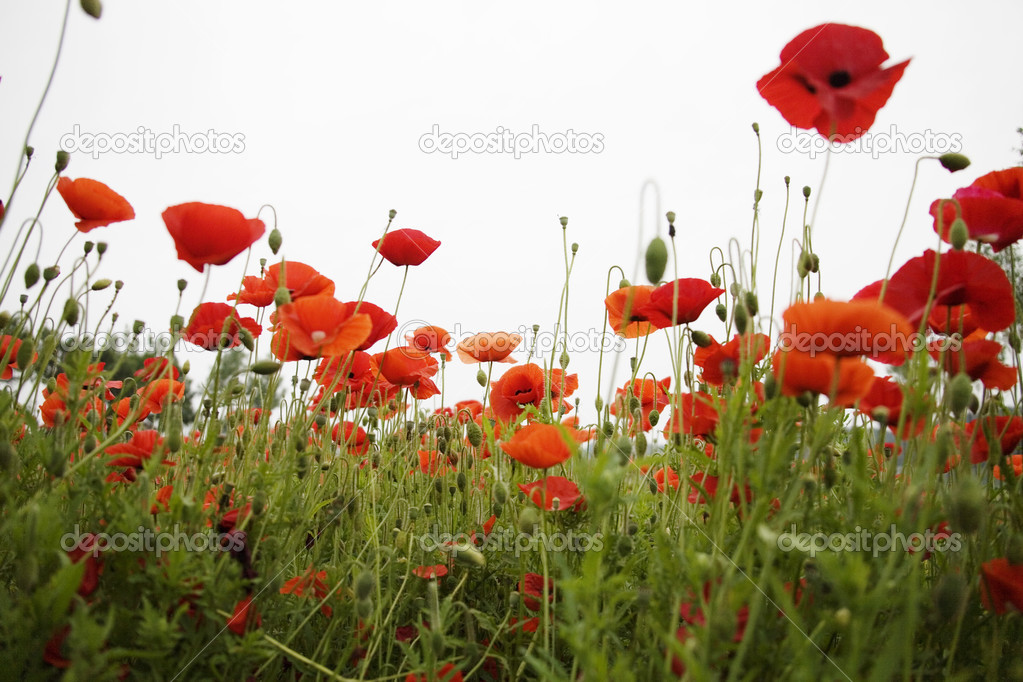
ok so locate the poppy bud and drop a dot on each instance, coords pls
(187, 365)
(640, 444)
(741, 318)
(265, 367)
(652, 484)
(70, 312)
(599, 403)
(529, 519)
(953, 162)
(960, 390)
(364, 585)
(806, 191)
(623, 283)
(23, 298)
(815, 263)
(564, 221)
(1014, 340)
(465, 554)
(575, 248)
(51, 273)
(304, 385)
(500, 492)
(31, 275)
(63, 159)
(563, 360)
(757, 196)
(670, 215)
(282, 297)
(247, 340)
(966, 511)
(804, 264)
(87, 247)
(756, 127)
(275, 240)
(842, 617)
(653, 417)
(364, 607)
(29, 151)
(721, 311)
(101, 284)
(624, 546)
(474, 434)
(715, 279)
(101, 248)
(481, 378)
(949, 594)
(958, 234)
(93, 8)
(656, 260)
(26, 353)
(701, 339)
(174, 440)
(177, 322)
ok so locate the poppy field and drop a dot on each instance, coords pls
(809, 488)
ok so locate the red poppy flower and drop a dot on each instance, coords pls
(135, 452)
(1001, 585)
(9, 347)
(666, 476)
(406, 247)
(652, 395)
(409, 367)
(299, 279)
(86, 549)
(383, 322)
(846, 329)
(1007, 432)
(156, 368)
(541, 446)
(217, 325)
(977, 357)
(1017, 467)
(157, 393)
(525, 385)
(318, 325)
(352, 436)
(311, 583)
(244, 617)
(488, 347)
(430, 572)
(626, 311)
(446, 673)
(432, 463)
(358, 369)
(952, 319)
(710, 485)
(531, 587)
(163, 498)
(831, 79)
(884, 402)
(464, 411)
(843, 380)
(93, 203)
(544, 492)
(432, 339)
(207, 234)
(697, 416)
(963, 277)
(992, 208)
(682, 300)
(720, 363)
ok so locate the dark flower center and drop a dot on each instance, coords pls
(839, 79)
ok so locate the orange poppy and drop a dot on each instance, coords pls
(318, 325)
(383, 322)
(848, 328)
(652, 395)
(843, 380)
(626, 311)
(432, 339)
(541, 446)
(524, 385)
(409, 367)
(488, 347)
(720, 363)
(93, 203)
(299, 279)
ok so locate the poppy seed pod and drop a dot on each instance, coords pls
(51, 273)
(958, 234)
(564, 221)
(806, 191)
(670, 215)
(953, 162)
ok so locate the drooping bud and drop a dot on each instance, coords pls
(481, 378)
(364, 585)
(715, 279)
(265, 367)
(958, 234)
(701, 339)
(966, 510)
(656, 260)
(653, 417)
(741, 318)
(31, 275)
(63, 159)
(26, 354)
(51, 273)
(275, 240)
(960, 390)
(721, 311)
(474, 434)
(101, 284)
(953, 162)
(71, 312)
(94, 8)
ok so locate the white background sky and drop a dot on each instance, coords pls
(332, 99)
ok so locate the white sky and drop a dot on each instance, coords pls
(333, 98)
